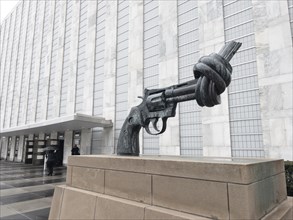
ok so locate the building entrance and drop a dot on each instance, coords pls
(29, 152)
(38, 152)
(34, 153)
(58, 145)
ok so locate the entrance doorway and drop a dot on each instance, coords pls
(59, 146)
(29, 152)
(59, 153)
(34, 153)
(38, 152)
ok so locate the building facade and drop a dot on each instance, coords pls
(71, 71)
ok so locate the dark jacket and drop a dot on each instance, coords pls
(75, 151)
(50, 155)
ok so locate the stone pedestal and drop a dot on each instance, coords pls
(114, 187)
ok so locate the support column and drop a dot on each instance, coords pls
(135, 61)
(68, 135)
(20, 149)
(274, 67)
(24, 149)
(168, 69)
(12, 149)
(1, 146)
(215, 120)
(110, 71)
(4, 144)
(86, 141)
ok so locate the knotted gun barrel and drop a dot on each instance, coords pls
(208, 83)
(212, 75)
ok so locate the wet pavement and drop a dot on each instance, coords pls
(26, 191)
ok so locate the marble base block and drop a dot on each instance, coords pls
(154, 187)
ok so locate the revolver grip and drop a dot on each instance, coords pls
(128, 142)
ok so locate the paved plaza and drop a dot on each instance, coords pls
(26, 191)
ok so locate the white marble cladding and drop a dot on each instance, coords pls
(135, 56)
(215, 121)
(71, 61)
(168, 71)
(274, 69)
(90, 64)
(59, 53)
(110, 68)
(135, 53)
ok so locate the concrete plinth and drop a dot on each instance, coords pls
(113, 187)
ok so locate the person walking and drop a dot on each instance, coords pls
(50, 155)
(75, 150)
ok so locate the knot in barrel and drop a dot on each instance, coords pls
(214, 75)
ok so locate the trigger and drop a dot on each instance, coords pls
(155, 122)
(148, 129)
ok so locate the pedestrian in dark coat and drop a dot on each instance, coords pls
(75, 150)
(51, 159)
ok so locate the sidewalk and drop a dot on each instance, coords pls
(25, 190)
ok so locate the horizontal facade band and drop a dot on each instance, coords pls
(73, 122)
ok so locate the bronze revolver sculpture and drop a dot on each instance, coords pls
(212, 75)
